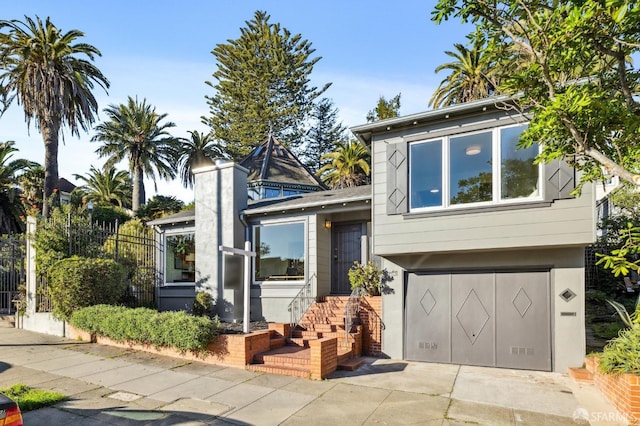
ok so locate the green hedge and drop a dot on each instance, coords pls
(77, 282)
(177, 330)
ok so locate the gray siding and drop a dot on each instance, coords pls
(564, 222)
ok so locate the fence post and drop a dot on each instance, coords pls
(116, 244)
(30, 266)
(69, 237)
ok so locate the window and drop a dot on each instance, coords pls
(280, 252)
(475, 168)
(180, 258)
(426, 174)
(271, 192)
(519, 175)
(470, 168)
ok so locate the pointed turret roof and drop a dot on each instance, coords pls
(271, 163)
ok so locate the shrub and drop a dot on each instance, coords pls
(128, 246)
(106, 214)
(622, 353)
(77, 282)
(367, 277)
(177, 330)
(52, 241)
(202, 304)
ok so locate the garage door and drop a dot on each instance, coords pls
(497, 319)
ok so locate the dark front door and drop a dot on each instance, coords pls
(346, 249)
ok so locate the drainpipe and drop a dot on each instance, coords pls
(247, 278)
(243, 220)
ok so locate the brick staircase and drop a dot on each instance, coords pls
(293, 350)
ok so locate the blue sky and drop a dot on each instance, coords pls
(161, 50)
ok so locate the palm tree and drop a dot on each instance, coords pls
(134, 132)
(349, 166)
(108, 186)
(199, 150)
(12, 210)
(471, 77)
(51, 75)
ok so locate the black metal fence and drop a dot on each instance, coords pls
(131, 245)
(12, 270)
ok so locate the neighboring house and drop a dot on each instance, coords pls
(485, 250)
(65, 187)
(275, 172)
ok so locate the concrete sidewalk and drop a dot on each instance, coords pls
(114, 386)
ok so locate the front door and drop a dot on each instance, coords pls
(346, 249)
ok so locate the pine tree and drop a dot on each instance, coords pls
(325, 134)
(262, 85)
(385, 109)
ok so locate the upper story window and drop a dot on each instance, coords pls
(472, 169)
(280, 251)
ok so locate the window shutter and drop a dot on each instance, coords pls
(560, 180)
(397, 178)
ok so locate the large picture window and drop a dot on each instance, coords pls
(472, 169)
(280, 252)
(180, 258)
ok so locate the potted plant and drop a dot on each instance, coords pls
(366, 277)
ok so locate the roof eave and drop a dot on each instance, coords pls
(364, 132)
(317, 204)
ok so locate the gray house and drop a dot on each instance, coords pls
(305, 236)
(485, 250)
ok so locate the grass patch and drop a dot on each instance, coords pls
(29, 399)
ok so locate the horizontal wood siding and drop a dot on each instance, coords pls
(563, 223)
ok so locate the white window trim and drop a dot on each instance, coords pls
(169, 233)
(496, 154)
(305, 238)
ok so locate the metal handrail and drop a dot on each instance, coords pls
(351, 309)
(301, 303)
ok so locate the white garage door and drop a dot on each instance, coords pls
(497, 319)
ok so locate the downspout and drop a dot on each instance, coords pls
(247, 281)
(243, 220)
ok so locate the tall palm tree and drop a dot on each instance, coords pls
(11, 207)
(349, 166)
(471, 77)
(51, 75)
(134, 132)
(199, 150)
(108, 186)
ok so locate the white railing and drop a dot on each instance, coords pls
(351, 310)
(301, 303)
